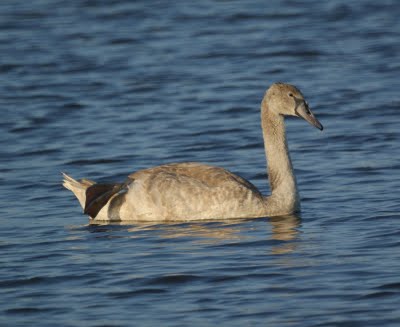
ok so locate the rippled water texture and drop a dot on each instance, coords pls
(100, 89)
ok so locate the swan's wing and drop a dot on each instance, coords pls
(206, 175)
(191, 190)
(177, 190)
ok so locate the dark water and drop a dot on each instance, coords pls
(102, 88)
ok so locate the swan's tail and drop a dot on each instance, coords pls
(77, 187)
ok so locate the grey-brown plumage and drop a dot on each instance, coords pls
(194, 191)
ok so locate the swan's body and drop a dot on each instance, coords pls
(194, 191)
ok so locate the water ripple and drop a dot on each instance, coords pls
(101, 89)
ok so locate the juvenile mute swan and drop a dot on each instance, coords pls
(194, 191)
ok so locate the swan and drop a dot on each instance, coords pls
(194, 191)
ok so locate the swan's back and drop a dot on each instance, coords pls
(187, 173)
(187, 191)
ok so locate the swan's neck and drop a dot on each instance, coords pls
(284, 198)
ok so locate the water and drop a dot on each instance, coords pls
(100, 89)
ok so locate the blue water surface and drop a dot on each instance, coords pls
(100, 89)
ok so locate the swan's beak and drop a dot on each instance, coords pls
(303, 111)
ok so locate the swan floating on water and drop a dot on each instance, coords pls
(195, 191)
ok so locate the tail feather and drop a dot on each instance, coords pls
(77, 187)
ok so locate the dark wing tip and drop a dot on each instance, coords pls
(97, 197)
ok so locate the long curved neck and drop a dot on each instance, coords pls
(284, 198)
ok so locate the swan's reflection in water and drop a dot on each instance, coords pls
(280, 233)
(285, 228)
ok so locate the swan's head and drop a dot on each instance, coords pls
(287, 100)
